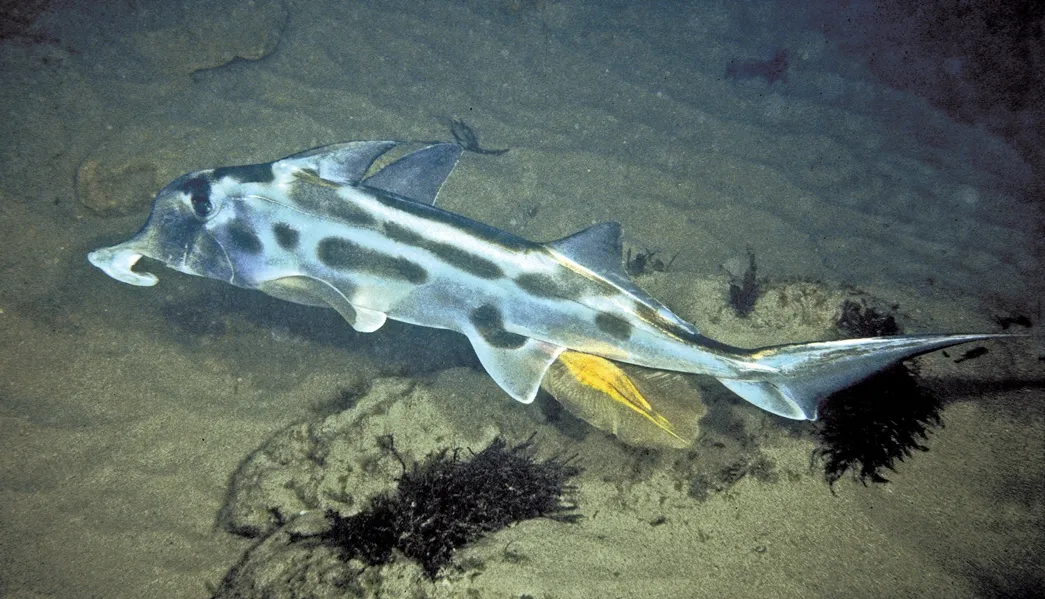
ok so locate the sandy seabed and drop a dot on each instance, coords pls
(124, 412)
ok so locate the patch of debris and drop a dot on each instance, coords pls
(880, 421)
(860, 320)
(445, 503)
(745, 289)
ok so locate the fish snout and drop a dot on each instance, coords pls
(116, 261)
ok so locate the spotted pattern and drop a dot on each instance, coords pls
(342, 254)
(542, 285)
(324, 200)
(241, 237)
(489, 322)
(452, 255)
(613, 325)
(286, 236)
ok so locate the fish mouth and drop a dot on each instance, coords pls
(117, 261)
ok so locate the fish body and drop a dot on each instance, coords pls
(326, 228)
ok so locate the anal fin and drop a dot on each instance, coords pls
(518, 370)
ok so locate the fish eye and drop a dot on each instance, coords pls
(201, 205)
(198, 190)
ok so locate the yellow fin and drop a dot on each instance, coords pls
(609, 398)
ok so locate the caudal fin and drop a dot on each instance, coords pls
(806, 373)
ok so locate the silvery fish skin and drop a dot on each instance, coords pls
(320, 228)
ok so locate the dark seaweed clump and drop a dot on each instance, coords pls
(467, 138)
(860, 320)
(744, 291)
(878, 422)
(445, 502)
(1008, 320)
(874, 424)
(646, 261)
(971, 354)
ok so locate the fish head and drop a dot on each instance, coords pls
(179, 233)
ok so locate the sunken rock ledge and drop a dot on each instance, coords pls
(204, 37)
(343, 461)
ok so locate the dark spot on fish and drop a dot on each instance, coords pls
(467, 261)
(452, 255)
(614, 326)
(243, 238)
(324, 200)
(403, 235)
(352, 214)
(490, 324)
(544, 286)
(248, 173)
(343, 254)
(286, 236)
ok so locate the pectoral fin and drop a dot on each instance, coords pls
(314, 292)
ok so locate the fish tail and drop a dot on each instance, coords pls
(801, 375)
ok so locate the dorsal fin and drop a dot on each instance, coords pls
(343, 163)
(599, 248)
(419, 175)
